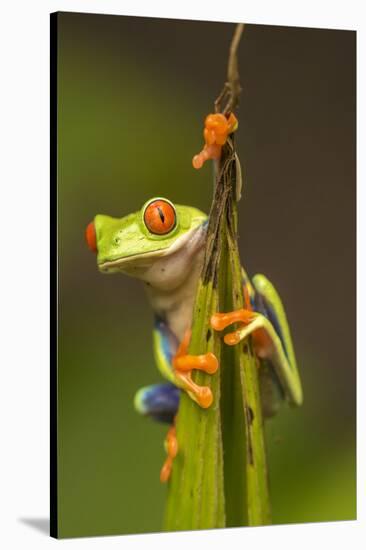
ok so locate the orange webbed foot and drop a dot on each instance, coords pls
(216, 131)
(171, 447)
(220, 321)
(208, 152)
(184, 364)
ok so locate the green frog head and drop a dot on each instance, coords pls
(155, 244)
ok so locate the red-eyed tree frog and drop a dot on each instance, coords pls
(163, 245)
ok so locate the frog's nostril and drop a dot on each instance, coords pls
(91, 237)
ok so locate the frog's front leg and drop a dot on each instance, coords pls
(267, 324)
(177, 365)
(184, 364)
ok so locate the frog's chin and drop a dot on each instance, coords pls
(137, 264)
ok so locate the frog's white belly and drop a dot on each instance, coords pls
(176, 306)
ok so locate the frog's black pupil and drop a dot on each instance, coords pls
(161, 214)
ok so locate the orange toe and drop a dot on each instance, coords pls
(201, 394)
(166, 470)
(205, 397)
(206, 362)
(219, 321)
(171, 445)
(232, 338)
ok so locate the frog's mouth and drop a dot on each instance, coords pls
(193, 239)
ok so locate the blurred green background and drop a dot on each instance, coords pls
(133, 93)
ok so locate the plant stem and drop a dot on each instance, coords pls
(195, 498)
(219, 476)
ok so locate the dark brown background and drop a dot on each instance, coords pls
(133, 93)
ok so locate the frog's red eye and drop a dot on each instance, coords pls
(160, 217)
(91, 237)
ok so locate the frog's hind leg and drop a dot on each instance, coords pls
(267, 324)
(159, 401)
(269, 303)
